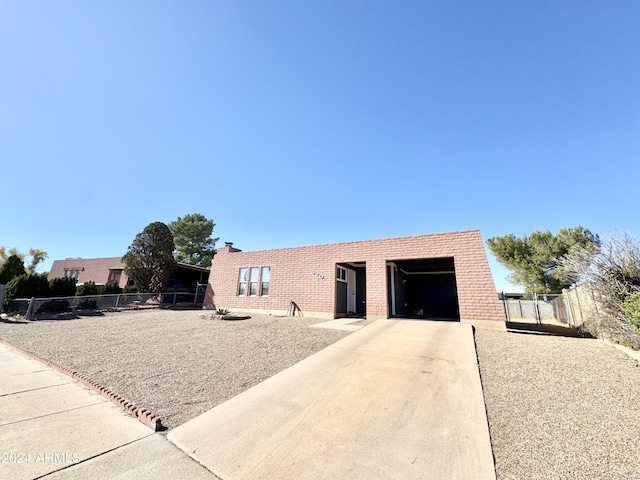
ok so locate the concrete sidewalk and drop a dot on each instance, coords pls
(399, 399)
(53, 427)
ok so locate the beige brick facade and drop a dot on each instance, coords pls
(307, 275)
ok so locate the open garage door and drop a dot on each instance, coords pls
(423, 288)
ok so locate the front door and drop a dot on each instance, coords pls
(341, 291)
(345, 291)
(351, 291)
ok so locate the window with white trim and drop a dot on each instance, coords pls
(242, 282)
(253, 282)
(265, 278)
(72, 274)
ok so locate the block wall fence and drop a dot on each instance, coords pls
(307, 275)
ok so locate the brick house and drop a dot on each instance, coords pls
(436, 276)
(111, 269)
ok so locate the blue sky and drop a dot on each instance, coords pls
(302, 122)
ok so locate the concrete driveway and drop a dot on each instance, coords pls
(398, 399)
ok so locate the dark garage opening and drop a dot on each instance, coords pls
(423, 288)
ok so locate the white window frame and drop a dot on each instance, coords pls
(253, 281)
(341, 274)
(262, 282)
(72, 273)
(242, 282)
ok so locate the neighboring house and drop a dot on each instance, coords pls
(106, 270)
(97, 270)
(437, 276)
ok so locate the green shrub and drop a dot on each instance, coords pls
(222, 311)
(111, 288)
(631, 309)
(88, 305)
(12, 267)
(54, 306)
(87, 288)
(27, 286)
(62, 287)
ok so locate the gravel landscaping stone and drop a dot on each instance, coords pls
(560, 408)
(174, 363)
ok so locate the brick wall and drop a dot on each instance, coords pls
(306, 275)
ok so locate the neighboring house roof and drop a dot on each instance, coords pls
(97, 270)
(104, 270)
(193, 267)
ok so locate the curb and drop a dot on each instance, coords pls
(142, 414)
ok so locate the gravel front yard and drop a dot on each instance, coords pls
(173, 363)
(558, 408)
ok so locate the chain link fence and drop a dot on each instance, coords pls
(571, 307)
(66, 307)
(532, 307)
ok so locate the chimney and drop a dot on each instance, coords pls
(228, 248)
